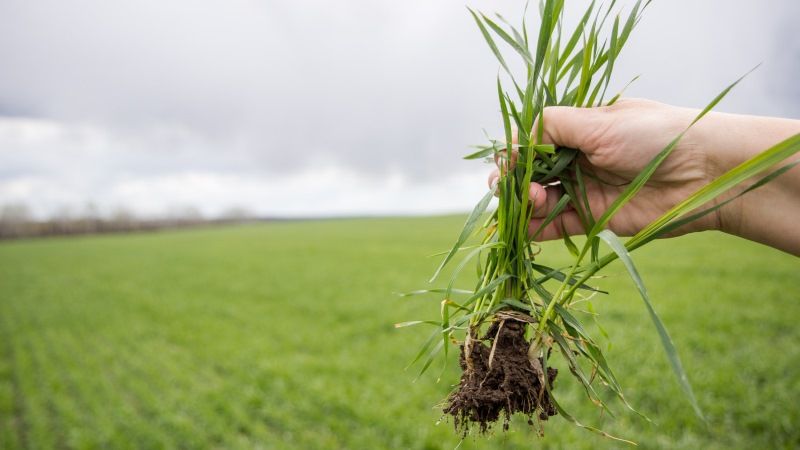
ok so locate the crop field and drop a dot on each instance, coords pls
(281, 335)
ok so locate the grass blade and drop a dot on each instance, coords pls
(523, 52)
(411, 323)
(562, 203)
(575, 422)
(545, 31)
(666, 341)
(434, 291)
(490, 42)
(506, 121)
(621, 91)
(483, 152)
(469, 225)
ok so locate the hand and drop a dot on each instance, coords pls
(618, 141)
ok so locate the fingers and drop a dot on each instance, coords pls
(549, 197)
(538, 195)
(494, 176)
(543, 203)
(566, 222)
(501, 157)
(563, 126)
(500, 160)
(543, 198)
(566, 126)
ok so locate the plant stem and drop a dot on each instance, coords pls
(557, 297)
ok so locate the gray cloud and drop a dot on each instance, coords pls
(268, 89)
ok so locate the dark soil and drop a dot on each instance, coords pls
(512, 385)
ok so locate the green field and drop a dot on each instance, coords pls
(280, 336)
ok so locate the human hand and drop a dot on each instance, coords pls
(618, 141)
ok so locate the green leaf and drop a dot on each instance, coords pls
(613, 52)
(445, 308)
(587, 346)
(573, 249)
(434, 291)
(586, 76)
(557, 335)
(425, 346)
(504, 111)
(633, 19)
(482, 153)
(558, 275)
(523, 139)
(622, 91)
(575, 422)
(517, 36)
(466, 231)
(490, 42)
(431, 356)
(523, 52)
(562, 203)
(720, 96)
(415, 322)
(565, 157)
(666, 341)
(466, 259)
(569, 188)
(487, 289)
(587, 208)
(573, 40)
(545, 31)
(516, 304)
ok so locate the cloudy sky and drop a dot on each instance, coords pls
(313, 108)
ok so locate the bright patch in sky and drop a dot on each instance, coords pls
(313, 108)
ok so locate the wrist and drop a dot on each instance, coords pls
(729, 140)
(719, 136)
(729, 217)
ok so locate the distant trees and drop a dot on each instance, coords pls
(17, 220)
(14, 219)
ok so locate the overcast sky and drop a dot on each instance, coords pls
(308, 108)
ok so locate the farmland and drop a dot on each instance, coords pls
(281, 335)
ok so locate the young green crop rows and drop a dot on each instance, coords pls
(281, 336)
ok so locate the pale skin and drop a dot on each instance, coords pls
(618, 141)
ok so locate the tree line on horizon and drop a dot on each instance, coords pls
(18, 221)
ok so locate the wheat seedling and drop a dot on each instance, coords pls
(521, 312)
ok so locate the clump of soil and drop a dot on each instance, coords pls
(513, 383)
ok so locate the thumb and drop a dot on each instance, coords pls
(577, 128)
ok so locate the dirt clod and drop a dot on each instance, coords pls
(511, 385)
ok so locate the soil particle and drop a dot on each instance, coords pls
(510, 384)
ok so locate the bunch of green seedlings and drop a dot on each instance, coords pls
(522, 312)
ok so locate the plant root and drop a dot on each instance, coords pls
(499, 380)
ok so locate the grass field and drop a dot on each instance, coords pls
(280, 336)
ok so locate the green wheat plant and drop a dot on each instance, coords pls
(518, 298)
